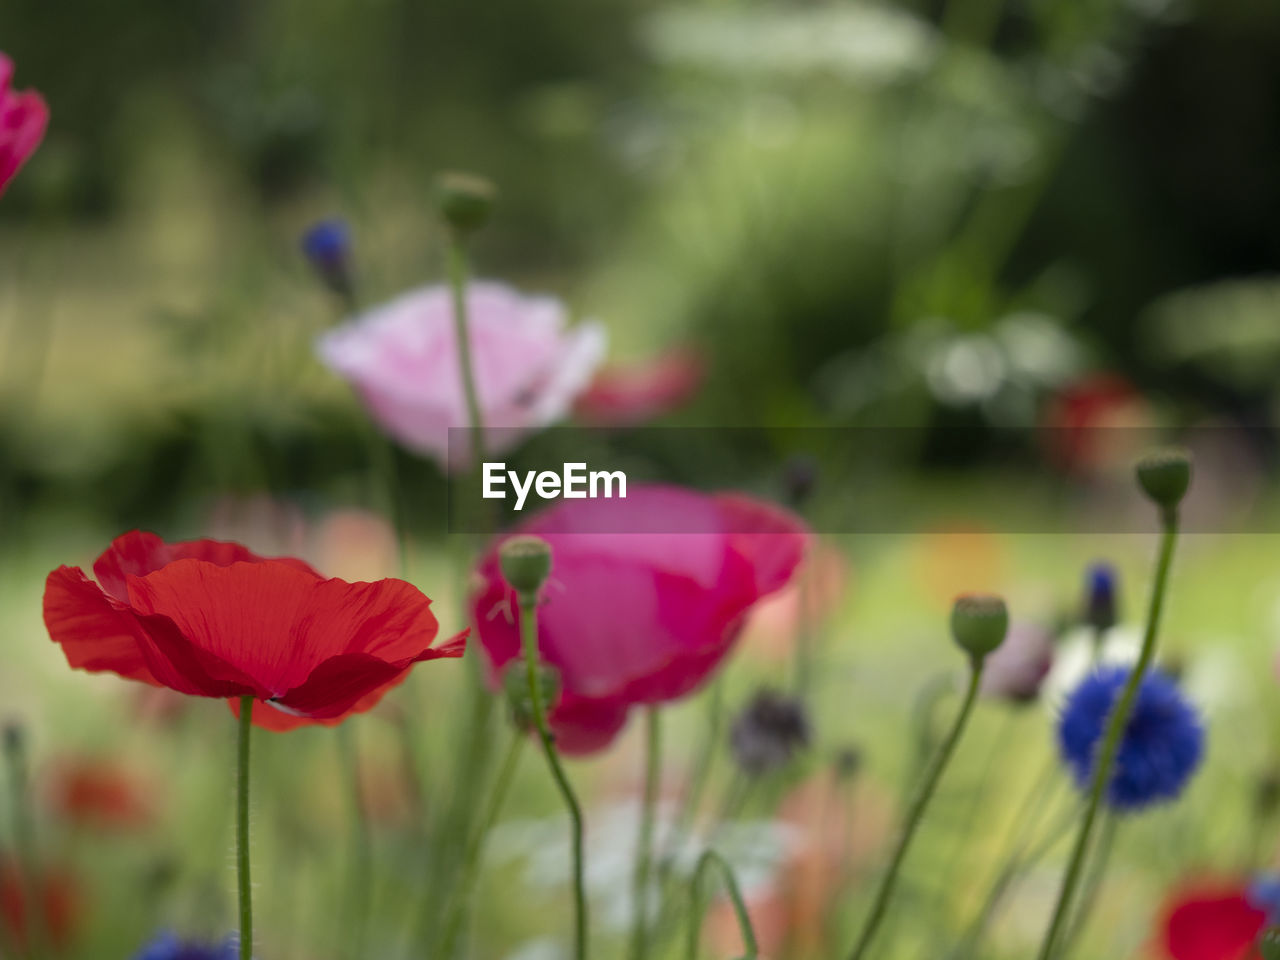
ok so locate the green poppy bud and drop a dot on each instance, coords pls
(1269, 944)
(465, 200)
(525, 563)
(1165, 475)
(515, 682)
(979, 623)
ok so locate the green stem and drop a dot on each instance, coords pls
(1093, 885)
(1022, 859)
(242, 829)
(467, 876)
(1115, 731)
(361, 854)
(710, 859)
(458, 289)
(918, 804)
(644, 845)
(529, 640)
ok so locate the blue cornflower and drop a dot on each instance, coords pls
(1100, 597)
(327, 245)
(168, 947)
(1264, 895)
(1161, 746)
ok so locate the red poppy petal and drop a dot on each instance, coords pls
(1212, 925)
(241, 621)
(138, 553)
(388, 619)
(94, 633)
(338, 685)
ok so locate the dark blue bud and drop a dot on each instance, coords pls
(1100, 597)
(327, 246)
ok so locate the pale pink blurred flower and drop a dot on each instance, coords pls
(266, 525)
(350, 543)
(353, 544)
(402, 359)
(1019, 666)
(818, 590)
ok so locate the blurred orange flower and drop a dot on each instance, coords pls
(99, 794)
(59, 900)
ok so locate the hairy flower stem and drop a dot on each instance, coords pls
(465, 885)
(924, 794)
(1114, 733)
(708, 860)
(24, 843)
(458, 289)
(529, 641)
(361, 876)
(644, 844)
(242, 829)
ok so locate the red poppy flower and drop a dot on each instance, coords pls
(59, 905)
(1081, 419)
(23, 118)
(1211, 921)
(625, 396)
(211, 619)
(98, 794)
(632, 618)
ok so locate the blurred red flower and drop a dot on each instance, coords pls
(97, 793)
(632, 617)
(1211, 921)
(626, 396)
(59, 904)
(23, 118)
(211, 619)
(1081, 419)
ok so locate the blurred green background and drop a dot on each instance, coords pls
(905, 213)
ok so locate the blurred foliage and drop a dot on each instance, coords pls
(860, 212)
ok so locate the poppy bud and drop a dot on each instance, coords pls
(1100, 597)
(327, 247)
(1269, 944)
(525, 563)
(465, 200)
(979, 623)
(1165, 475)
(515, 682)
(769, 732)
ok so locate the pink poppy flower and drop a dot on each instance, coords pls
(626, 396)
(402, 359)
(633, 618)
(23, 118)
